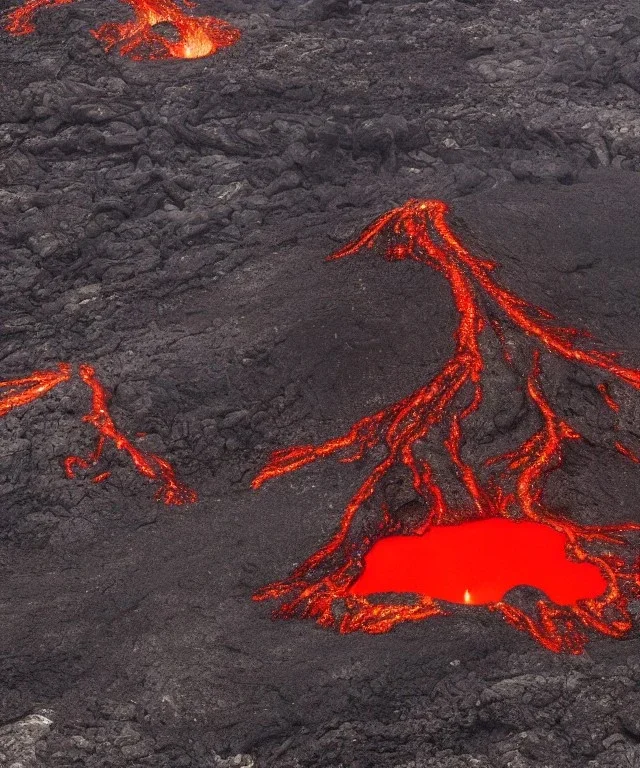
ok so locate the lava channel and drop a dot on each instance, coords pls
(18, 392)
(142, 38)
(477, 553)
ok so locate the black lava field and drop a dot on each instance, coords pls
(164, 228)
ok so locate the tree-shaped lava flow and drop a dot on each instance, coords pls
(17, 392)
(335, 585)
(143, 38)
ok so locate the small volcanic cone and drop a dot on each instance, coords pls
(444, 555)
(142, 38)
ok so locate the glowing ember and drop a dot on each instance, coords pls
(197, 36)
(29, 388)
(331, 587)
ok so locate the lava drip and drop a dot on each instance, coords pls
(18, 392)
(142, 38)
(335, 585)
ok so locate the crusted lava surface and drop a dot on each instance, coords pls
(166, 223)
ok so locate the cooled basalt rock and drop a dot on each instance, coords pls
(18, 741)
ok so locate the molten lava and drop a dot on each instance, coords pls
(141, 38)
(586, 584)
(24, 390)
(477, 563)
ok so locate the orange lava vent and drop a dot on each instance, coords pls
(143, 38)
(506, 535)
(17, 392)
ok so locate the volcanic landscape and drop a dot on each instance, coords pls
(211, 434)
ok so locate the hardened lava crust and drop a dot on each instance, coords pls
(163, 232)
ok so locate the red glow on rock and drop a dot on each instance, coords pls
(477, 563)
(508, 486)
(29, 388)
(142, 38)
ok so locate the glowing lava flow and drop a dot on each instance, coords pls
(140, 38)
(508, 486)
(18, 392)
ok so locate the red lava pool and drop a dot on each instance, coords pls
(477, 563)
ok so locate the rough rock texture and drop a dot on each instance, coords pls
(167, 222)
(18, 740)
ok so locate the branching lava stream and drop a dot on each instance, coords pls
(335, 585)
(17, 392)
(198, 36)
